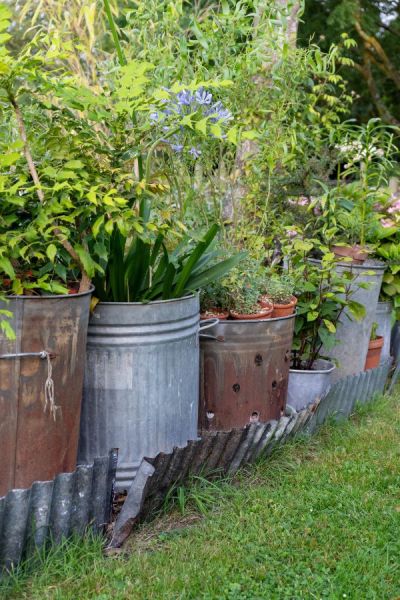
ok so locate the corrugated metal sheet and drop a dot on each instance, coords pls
(51, 510)
(341, 399)
(226, 451)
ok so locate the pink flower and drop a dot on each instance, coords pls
(387, 223)
(303, 201)
(395, 208)
(291, 233)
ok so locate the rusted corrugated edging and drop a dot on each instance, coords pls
(49, 511)
(225, 452)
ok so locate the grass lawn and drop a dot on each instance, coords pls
(321, 519)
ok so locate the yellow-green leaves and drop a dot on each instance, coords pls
(51, 251)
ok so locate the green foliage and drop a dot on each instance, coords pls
(325, 297)
(280, 288)
(83, 175)
(245, 287)
(375, 25)
(374, 329)
(141, 270)
(214, 296)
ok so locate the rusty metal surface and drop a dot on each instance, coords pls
(226, 451)
(50, 511)
(32, 445)
(244, 372)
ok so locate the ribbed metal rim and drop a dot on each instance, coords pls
(52, 297)
(377, 266)
(255, 321)
(317, 372)
(151, 303)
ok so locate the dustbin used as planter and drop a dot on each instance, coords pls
(142, 381)
(49, 346)
(244, 372)
(306, 387)
(383, 317)
(353, 336)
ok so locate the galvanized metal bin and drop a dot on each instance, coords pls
(142, 381)
(383, 317)
(353, 336)
(244, 372)
(34, 446)
(306, 387)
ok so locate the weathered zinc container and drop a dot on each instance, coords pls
(244, 372)
(353, 336)
(44, 364)
(141, 385)
(306, 387)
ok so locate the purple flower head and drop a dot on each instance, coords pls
(203, 97)
(154, 118)
(184, 98)
(291, 233)
(177, 147)
(219, 113)
(195, 152)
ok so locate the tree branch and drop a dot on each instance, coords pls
(373, 46)
(366, 72)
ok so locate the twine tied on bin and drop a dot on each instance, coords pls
(49, 396)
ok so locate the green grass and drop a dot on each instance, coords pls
(319, 520)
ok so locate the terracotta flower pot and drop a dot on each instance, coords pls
(266, 302)
(263, 313)
(357, 253)
(284, 310)
(214, 313)
(374, 353)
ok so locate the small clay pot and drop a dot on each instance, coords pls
(264, 313)
(284, 310)
(215, 313)
(357, 253)
(374, 353)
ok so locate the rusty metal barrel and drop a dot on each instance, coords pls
(49, 349)
(244, 372)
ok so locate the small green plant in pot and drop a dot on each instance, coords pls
(374, 349)
(214, 301)
(279, 290)
(324, 298)
(244, 285)
(348, 218)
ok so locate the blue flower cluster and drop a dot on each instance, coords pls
(185, 103)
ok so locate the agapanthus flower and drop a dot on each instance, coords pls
(203, 97)
(184, 98)
(185, 103)
(195, 152)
